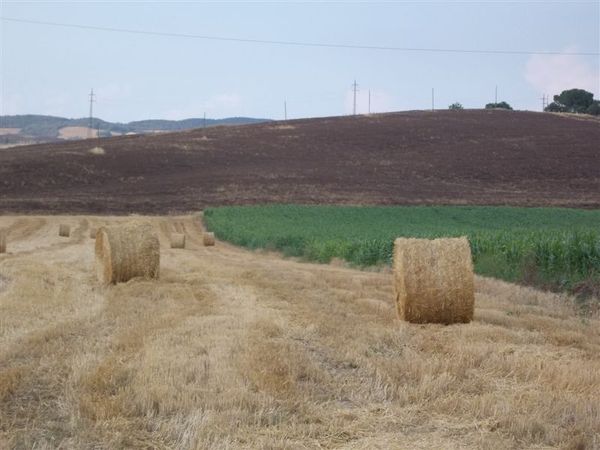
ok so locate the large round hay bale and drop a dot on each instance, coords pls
(433, 280)
(127, 251)
(64, 230)
(208, 239)
(177, 240)
(2, 241)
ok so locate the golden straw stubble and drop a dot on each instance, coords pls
(433, 280)
(208, 239)
(177, 240)
(127, 251)
(64, 230)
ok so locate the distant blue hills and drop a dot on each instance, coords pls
(36, 127)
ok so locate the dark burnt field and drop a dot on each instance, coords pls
(446, 157)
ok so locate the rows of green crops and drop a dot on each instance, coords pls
(555, 247)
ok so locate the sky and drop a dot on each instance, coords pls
(49, 69)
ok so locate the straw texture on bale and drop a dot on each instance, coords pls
(433, 280)
(2, 241)
(127, 251)
(64, 230)
(93, 232)
(177, 240)
(208, 239)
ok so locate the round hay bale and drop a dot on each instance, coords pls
(208, 239)
(433, 280)
(64, 230)
(2, 241)
(177, 240)
(127, 251)
(93, 232)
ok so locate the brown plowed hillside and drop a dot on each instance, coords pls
(446, 157)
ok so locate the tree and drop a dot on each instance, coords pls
(501, 105)
(555, 107)
(575, 100)
(594, 108)
(456, 106)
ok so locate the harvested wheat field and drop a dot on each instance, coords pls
(235, 349)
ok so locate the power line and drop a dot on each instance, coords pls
(90, 128)
(298, 43)
(354, 87)
(544, 100)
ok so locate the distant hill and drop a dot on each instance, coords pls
(469, 157)
(33, 128)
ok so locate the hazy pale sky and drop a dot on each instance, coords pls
(50, 69)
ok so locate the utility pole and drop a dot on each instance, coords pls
(354, 86)
(90, 126)
(432, 99)
(496, 97)
(544, 102)
(285, 109)
(369, 101)
(204, 121)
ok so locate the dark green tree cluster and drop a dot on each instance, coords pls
(456, 106)
(501, 105)
(577, 101)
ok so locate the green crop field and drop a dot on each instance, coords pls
(551, 247)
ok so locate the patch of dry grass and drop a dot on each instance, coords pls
(98, 151)
(234, 349)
